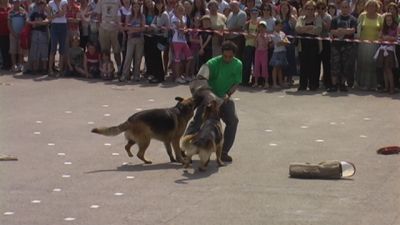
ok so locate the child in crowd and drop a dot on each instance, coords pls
(179, 45)
(249, 49)
(195, 47)
(385, 55)
(205, 40)
(16, 22)
(75, 58)
(278, 59)
(261, 55)
(107, 67)
(92, 61)
(39, 51)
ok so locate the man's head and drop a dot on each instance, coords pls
(234, 6)
(228, 51)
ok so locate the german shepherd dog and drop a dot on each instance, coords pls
(166, 125)
(209, 138)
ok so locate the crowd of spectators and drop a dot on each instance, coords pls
(276, 40)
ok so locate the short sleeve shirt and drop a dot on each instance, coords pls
(109, 14)
(224, 75)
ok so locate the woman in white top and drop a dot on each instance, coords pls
(58, 32)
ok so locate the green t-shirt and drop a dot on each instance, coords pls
(224, 75)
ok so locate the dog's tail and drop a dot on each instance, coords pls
(112, 131)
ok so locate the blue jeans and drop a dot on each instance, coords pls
(58, 34)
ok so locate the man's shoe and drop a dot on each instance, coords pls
(226, 158)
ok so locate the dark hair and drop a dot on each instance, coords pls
(287, 16)
(386, 28)
(264, 6)
(333, 6)
(228, 46)
(156, 12)
(195, 9)
(133, 15)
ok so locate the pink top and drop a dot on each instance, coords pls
(262, 41)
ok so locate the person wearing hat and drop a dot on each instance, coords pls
(250, 49)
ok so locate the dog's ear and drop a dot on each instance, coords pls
(179, 99)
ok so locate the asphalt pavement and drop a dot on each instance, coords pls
(67, 175)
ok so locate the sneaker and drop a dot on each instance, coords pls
(180, 80)
(226, 158)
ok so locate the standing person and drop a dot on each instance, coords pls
(267, 10)
(206, 35)
(160, 26)
(325, 54)
(84, 19)
(385, 55)
(235, 23)
(224, 74)
(73, 19)
(278, 60)
(194, 40)
(261, 55)
(16, 22)
(369, 26)
(180, 46)
(250, 49)
(199, 9)
(58, 33)
(93, 22)
(5, 35)
(289, 23)
(39, 51)
(309, 26)
(109, 27)
(151, 52)
(218, 21)
(135, 27)
(342, 53)
(124, 12)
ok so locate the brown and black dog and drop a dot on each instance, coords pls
(207, 140)
(166, 125)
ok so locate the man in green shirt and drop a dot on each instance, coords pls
(223, 74)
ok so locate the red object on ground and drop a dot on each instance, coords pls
(389, 150)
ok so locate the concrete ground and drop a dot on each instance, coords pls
(67, 175)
